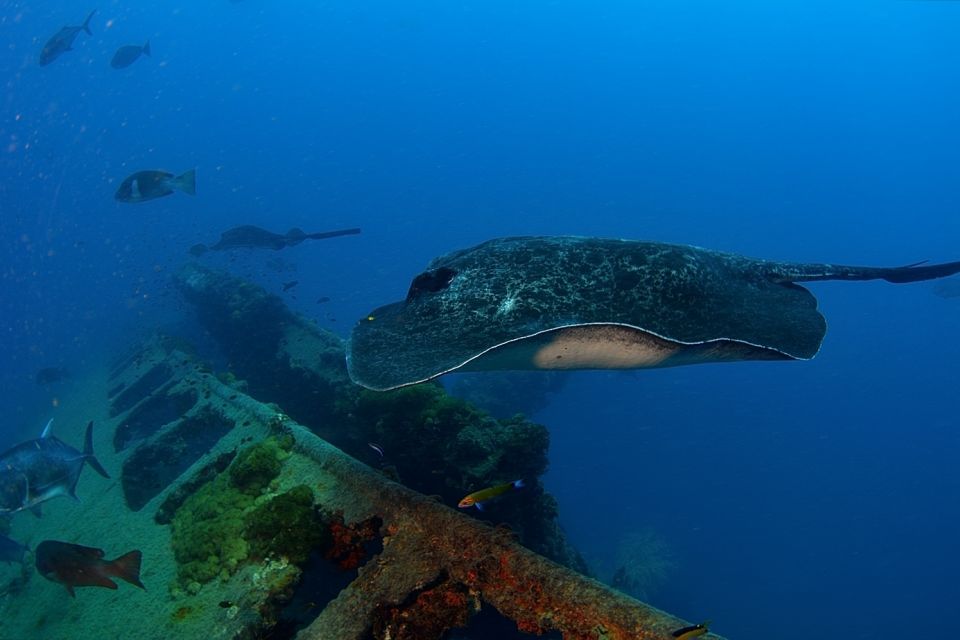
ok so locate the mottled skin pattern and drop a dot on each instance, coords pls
(510, 289)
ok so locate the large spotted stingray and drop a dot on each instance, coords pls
(595, 303)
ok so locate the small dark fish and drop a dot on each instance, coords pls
(949, 288)
(322, 299)
(74, 565)
(35, 471)
(377, 448)
(62, 41)
(693, 631)
(11, 550)
(49, 375)
(149, 185)
(290, 285)
(126, 56)
(198, 249)
(249, 236)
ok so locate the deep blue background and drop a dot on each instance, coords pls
(801, 499)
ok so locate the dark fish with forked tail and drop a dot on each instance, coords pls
(62, 41)
(248, 236)
(150, 185)
(74, 565)
(35, 471)
(126, 56)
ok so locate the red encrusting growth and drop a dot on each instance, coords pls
(348, 540)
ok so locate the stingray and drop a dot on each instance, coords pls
(592, 303)
(248, 236)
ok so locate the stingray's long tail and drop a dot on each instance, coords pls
(332, 234)
(785, 272)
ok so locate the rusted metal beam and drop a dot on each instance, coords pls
(426, 543)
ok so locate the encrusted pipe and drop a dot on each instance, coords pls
(426, 543)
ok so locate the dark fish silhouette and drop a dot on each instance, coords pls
(150, 185)
(11, 550)
(35, 471)
(290, 285)
(49, 375)
(947, 288)
(62, 41)
(250, 237)
(74, 565)
(126, 56)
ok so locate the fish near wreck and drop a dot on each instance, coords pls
(595, 303)
(479, 498)
(74, 565)
(150, 185)
(35, 471)
(62, 41)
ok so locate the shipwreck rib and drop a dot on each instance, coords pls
(426, 542)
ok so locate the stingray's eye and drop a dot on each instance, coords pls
(430, 282)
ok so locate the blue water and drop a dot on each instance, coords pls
(801, 499)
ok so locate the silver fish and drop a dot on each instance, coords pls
(35, 471)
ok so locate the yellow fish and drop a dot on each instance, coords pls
(694, 630)
(477, 498)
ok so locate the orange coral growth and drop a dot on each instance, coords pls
(348, 540)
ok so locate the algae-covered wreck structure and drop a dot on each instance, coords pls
(273, 498)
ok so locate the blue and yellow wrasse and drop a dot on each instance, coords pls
(477, 498)
(694, 630)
